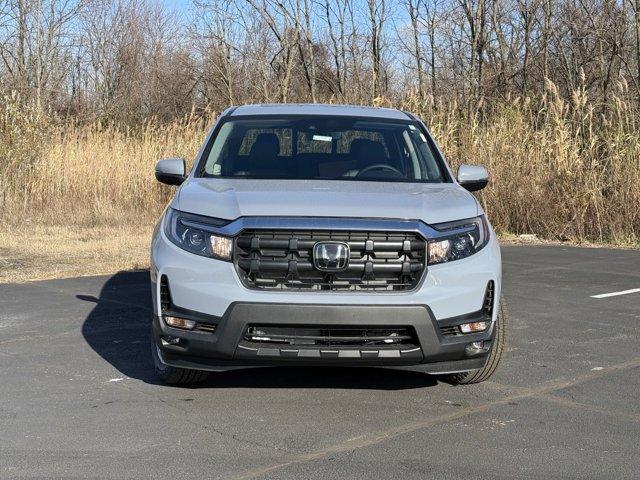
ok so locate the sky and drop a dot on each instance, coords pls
(397, 17)
(178, 6)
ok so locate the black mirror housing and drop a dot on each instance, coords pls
(473, 177)
(474, 186)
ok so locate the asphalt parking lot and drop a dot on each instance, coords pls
(78, 398)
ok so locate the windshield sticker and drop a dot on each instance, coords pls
(322, 138)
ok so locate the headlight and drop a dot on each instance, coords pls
(195, 234)
(473, 235)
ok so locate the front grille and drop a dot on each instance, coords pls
(283, 259)
(335, 336)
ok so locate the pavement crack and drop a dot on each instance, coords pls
(258, 444)
(572, 403)
(179, 413)
(35, 337)
(389, 434)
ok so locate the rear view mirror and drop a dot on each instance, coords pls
(473, 177)
(171, 171)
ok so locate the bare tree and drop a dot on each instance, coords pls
(377, 19)
(636, 28)
(131, 60)
(306, 45)
(35, 41)
(335, 16)
(413, 10)
(475, 12)
(214, 31)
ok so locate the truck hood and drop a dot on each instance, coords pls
(233, 198)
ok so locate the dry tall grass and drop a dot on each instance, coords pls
(92, 175)
(558, 169)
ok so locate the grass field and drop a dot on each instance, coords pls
(83, 199)
(44, 252)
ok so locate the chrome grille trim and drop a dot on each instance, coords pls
(234, 227)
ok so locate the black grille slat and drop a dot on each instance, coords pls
(284, 266)
(283, 259)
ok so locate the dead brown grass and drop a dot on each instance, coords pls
(41, 252)
(565, 171)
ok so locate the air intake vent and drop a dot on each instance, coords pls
(205, 327)
(337, 336)
(450, 331)
(165, 294)
(487, 306)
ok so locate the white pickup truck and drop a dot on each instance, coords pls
(324, 235)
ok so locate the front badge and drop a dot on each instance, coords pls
(331, 256)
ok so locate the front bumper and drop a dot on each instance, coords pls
(212, 290)
(226, 347)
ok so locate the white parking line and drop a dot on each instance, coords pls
(615, 294)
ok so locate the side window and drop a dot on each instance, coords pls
(219, 151)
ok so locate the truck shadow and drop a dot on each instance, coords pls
(118, 328)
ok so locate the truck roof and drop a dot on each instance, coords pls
(320, 109)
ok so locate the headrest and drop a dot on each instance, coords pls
(265, 145)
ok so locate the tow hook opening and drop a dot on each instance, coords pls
(169, 340)
(476, 348)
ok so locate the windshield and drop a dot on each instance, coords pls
(321, 148)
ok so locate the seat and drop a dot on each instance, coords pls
(263, 158)
(366, 153)
(266, 147)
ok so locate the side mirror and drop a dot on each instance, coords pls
(171, 171)
(473, 177)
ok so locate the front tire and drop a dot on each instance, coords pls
(174, 375)
(495, 355)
